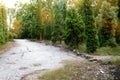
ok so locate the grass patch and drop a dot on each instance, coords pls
(82, 48)
(102, 50)
(116, 61)
(3, 46)
(58, 74)
(73, 70)
(108, 51)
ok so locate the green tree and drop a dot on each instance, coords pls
(118, 27)
(119, 10)
(28, 18)
(74, 30)
(107, 21)
(3, 24)
(90, 28)
(59, 10)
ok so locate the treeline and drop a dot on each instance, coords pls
(95, 23)
(3, 24)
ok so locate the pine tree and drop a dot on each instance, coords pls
(74, 30)
(58, 25)
(3, 24)
(107, 29)
(118, 27)
(90, 28)
(119, 10)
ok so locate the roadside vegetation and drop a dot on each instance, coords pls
(5, 34)
(115, 62)
(75, 70)
(58, 74)
(115, 51)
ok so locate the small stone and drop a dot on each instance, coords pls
(102, 71)
(35, 65)
(93, 60)
(88, 57)
(89, 68)
(23, 68)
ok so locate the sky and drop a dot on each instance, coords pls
(10, 3)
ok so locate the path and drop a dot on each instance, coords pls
(28, 57)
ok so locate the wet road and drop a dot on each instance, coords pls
(28, 57)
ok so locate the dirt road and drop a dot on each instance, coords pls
(27, 57)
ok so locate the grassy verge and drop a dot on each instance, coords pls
(115, 61)
(74, 70)
(58, 74)
(103, 50)
(108, 51)
(82, 48)
(5, 45)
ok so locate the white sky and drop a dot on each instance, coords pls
(10, 3)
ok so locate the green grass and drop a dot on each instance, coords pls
(74, 70)
(3, 46)
(108, 51)
(82, 48)
(116, 61)
(58, 74)
(103, 50)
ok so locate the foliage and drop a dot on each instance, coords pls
(118, 27)
(58, 74)
(108, 51)
(102, 50)
(107, 25)
(90, 28)
(58, 25)
(116, 61)
(119, 9)
(27, 17)
(74, 30)
(3, 24)
(76, 22)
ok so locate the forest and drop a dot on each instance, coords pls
(95, 23)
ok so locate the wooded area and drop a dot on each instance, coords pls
(95, 23)
(3, 24)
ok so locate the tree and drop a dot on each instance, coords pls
(107, 21)
(118, 27)
(59, 10)
(74, 30)
(119, 10)
(10, 13)
(28, 18)
(90, 28)
(46, 19)
(16, 30)
(3, 24)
